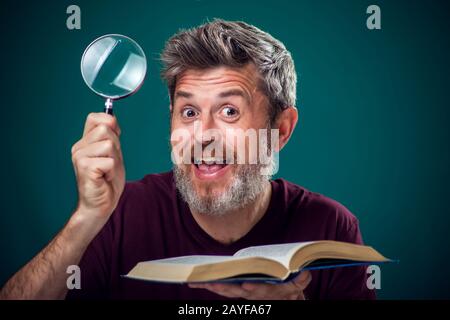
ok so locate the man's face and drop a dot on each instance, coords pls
(222, 100)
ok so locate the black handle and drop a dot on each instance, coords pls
(109, 107)
(108, 111)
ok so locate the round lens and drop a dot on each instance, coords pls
(113, 66)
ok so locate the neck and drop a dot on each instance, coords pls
(233, 225)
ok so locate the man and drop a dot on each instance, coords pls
(225, 77)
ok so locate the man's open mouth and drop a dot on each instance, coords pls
(209, 166)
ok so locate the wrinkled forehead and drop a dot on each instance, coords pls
(213, 80)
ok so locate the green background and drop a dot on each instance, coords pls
(373, 130)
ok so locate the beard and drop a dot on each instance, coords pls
(247, 184)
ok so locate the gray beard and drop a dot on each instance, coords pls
(248, 183)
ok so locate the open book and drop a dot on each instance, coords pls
(272, 263)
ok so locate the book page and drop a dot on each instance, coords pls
(279, 252)
(195, 259)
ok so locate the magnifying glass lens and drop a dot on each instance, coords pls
(113, 66)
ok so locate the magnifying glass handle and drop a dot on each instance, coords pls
(109, 107)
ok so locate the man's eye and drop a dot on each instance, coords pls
(189, 113)
(229, 112)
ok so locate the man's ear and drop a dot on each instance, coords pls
(286, 122)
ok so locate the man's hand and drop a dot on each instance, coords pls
(98, 163)
(292, 290)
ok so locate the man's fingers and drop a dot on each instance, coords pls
(97, 167)
(226, 290)
(99, 133)
(94, 119)
(264, 291)
(105, 148)
(291, 290)
(252, 291)
(260, 290)
(302, 280)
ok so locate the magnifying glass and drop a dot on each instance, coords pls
(114, 67)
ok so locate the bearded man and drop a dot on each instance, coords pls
(229, 78)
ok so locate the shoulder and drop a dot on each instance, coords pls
(317, 209)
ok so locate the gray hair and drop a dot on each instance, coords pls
(233, 44)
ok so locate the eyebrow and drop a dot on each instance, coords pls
(224, 94)
(235, 92)
(183, 94)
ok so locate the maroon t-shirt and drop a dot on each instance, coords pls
(151, 222)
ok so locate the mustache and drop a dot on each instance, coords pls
(196, 153)
(244, 150)
(204, 155)
(226, 156)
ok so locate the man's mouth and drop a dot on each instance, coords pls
(208, 168)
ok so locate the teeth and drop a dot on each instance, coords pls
(210, 160)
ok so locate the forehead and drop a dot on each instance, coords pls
(209, 80)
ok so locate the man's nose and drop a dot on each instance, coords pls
(205, 129)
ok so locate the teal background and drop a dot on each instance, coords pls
(373, 130)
